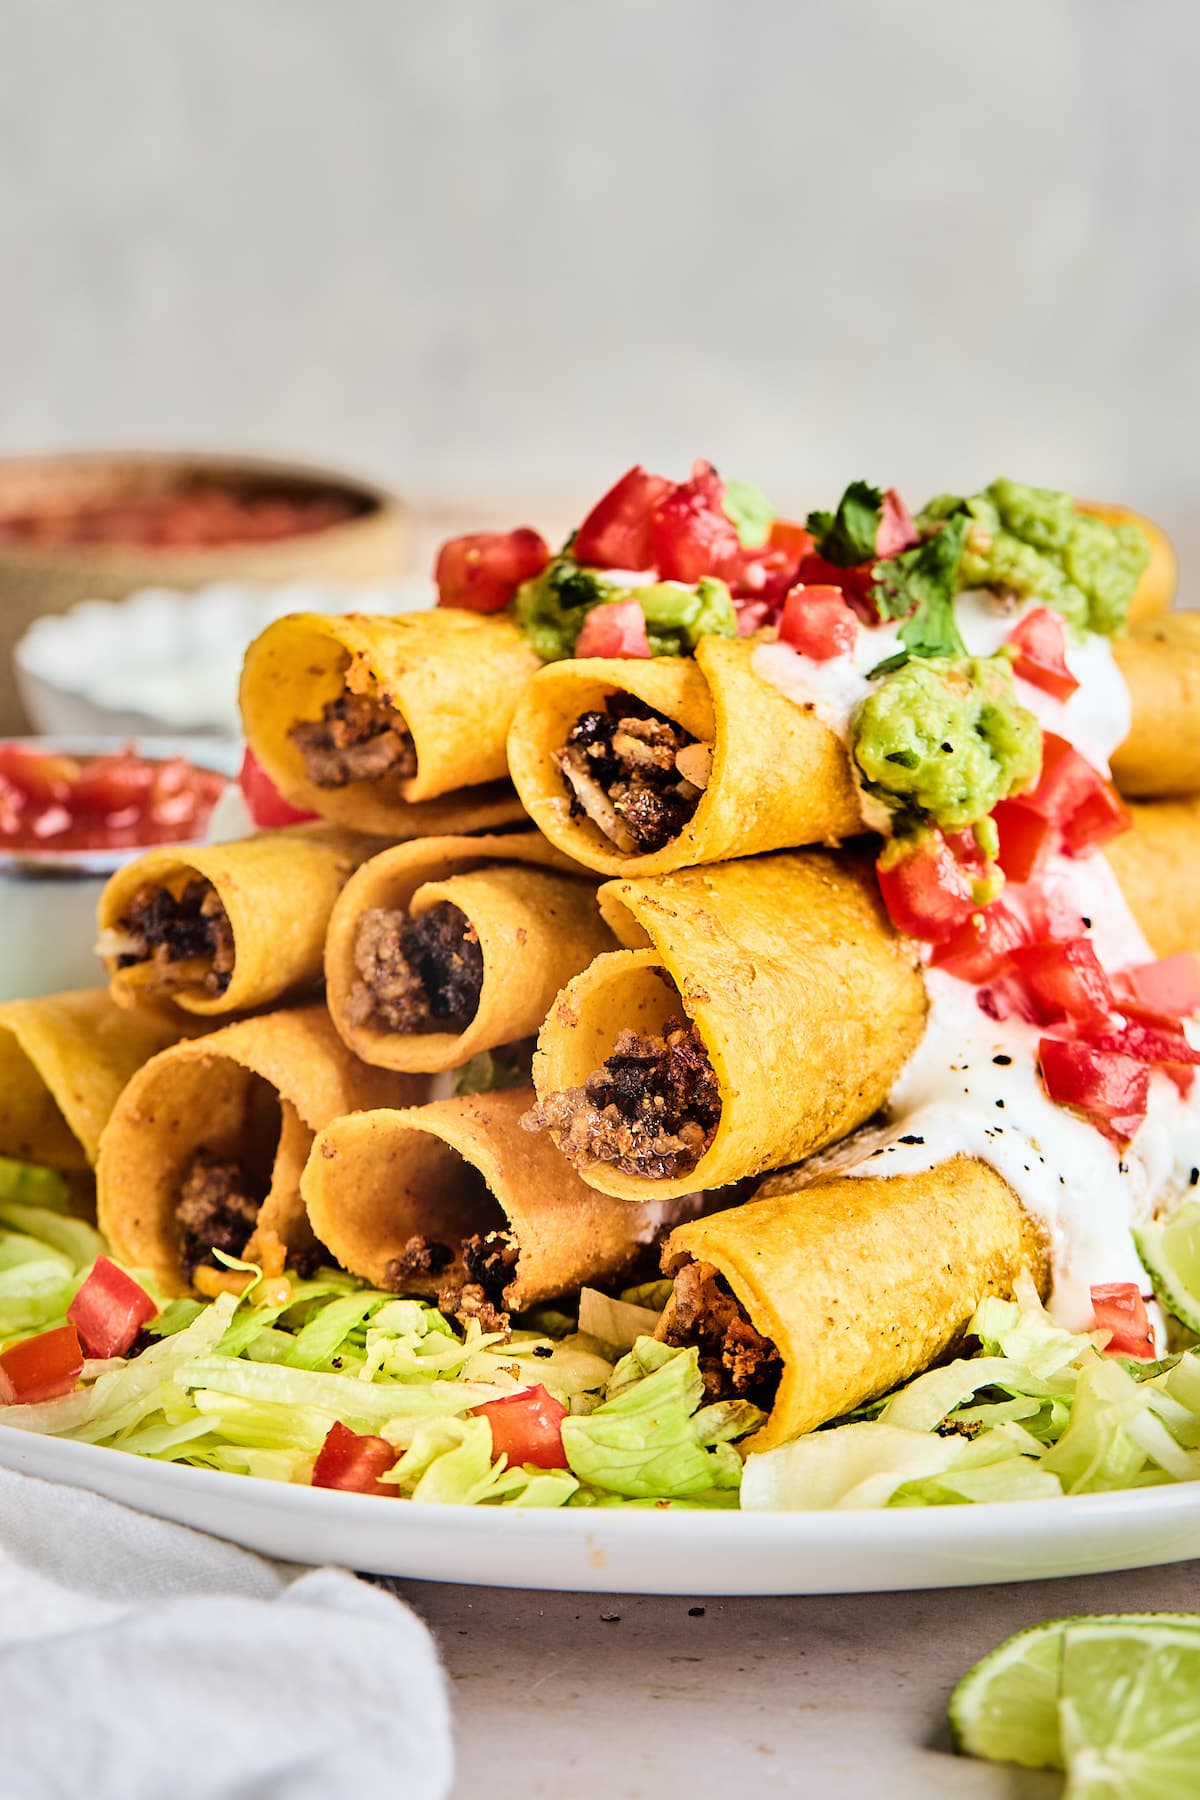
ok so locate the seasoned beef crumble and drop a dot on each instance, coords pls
(357, 738)
(423, 974)
(635, 773)
(168, 931)
(736, 1361)
(421, 1256)
(218, 1208)
(490, 1260)
(651, 1109)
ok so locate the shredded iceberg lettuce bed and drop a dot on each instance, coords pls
(252, 1384)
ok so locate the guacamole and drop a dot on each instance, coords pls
(1035, 543)
(552, 607)
(947, 739)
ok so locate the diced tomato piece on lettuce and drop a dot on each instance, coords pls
(1065, 981)
(1026, 839)
(618, 532)
(1170, 986)
(1110, 1090)
(354, 1462)
(692, 536)
(616, 628)
(109, 1310)
(928, 891)
(1040, 642)
(1119, 1309)
(267, 806)
(483, 571)
(527, 1428)
(983, 944)
(817, 622)
(41, 1368)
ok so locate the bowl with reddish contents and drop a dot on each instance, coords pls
(106, 524)
(73, 810)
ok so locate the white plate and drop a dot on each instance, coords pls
(642, 1552)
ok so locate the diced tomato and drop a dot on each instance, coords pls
(1040, 641)
(354, 1461)
(928, 892)
(764, 575)
(1109, 1089)
(1118, 1308)
(41, 1368)
(40, 775)
(1147, 1038)
(691, 535)
(856, 583)
(618, 628)
(267, 806)
(527, 1428)
(109, 1310)
(1170, 986)
(817, 622)
(1005, 997)
(1026, 839)
(483, 571)
(1065, 981)
(752, 615)
(1095, 821)
(1073, 795)
(981, 946)
(896, 530)
(112, 784)
(794, 540)
(617, 533)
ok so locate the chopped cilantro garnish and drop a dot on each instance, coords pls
(921, 583)
(848, 535)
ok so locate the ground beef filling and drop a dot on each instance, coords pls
(357, 738)
(420, 1258)
(651, 1109)
(422, 974)
(635, 773)
(736, 1361)
(218, 1208)
(167, 931)
(489, 1261)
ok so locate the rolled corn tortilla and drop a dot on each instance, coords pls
(207, 1142)
(448, 947)
(453, 1200)
(1160, 661)
(391, 725)
(749, 770)
(1157, 864)
(1159, 579)
(794, 1003)
(814, 1302)
(64, 1059)
(224, 928)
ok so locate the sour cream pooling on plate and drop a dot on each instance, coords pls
(972, 1087)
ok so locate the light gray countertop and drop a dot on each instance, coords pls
(609, 1697)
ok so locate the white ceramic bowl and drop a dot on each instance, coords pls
(166, 660)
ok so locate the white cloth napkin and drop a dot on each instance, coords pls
(142, 1659)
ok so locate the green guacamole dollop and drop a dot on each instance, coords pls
(947, 739)
(552, 607)
(1035, 543)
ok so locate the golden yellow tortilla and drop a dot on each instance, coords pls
(536, 918)
(1158, 866)
(807, 1002)
(862, 1282)
(1160, 661)
(455, 678)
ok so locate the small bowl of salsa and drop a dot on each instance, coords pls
(72, 811)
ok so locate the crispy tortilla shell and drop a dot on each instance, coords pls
(1158, 866)
(780, 776)
(862, 1282)
(807, 1002)
(1160, 660)
(536, 918)
(64, 1059)
(277, 888)
(453, 676)
(461, 1167)
(255, 1091)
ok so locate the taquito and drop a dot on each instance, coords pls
(812, 1302)
(224, 928)
(1157, 865)
(769, 1015)
(205, 1147)
(749, 769)
(391, 725)
(1159, 579)
(450, 946)
(64, 1059)
(1160, 661)
(453, 1200)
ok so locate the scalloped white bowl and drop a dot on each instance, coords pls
(168, 660)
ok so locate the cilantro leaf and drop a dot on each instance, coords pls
(921, 583)
(848, 536)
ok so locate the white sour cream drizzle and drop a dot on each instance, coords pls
(972, 1085)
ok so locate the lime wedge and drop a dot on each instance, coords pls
(1129, 1709)
(1170, 1251)
(1007, 1708)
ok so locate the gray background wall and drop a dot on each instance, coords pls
(506, 248)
